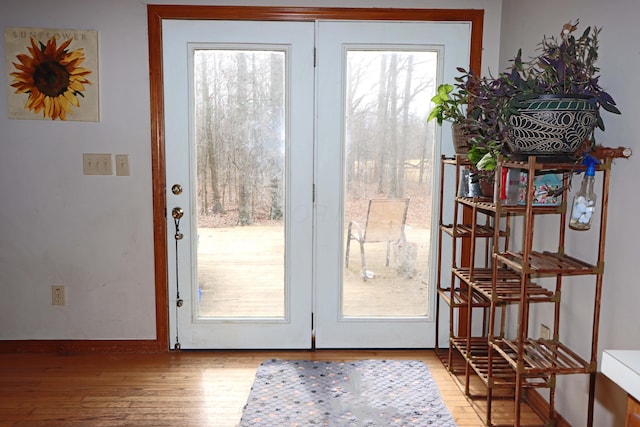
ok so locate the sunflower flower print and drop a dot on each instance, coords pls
(52, 77)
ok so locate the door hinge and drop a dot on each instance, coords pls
(314, 56)
(313, 193)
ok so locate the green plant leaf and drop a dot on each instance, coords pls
(488, 162)
(445, 89)
(434, 114)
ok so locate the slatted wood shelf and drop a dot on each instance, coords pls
(485, 204)
(551, 167)
(456, 161)
(456, 365)
(546, 263)
(542, 357)
(507, 288)
(461, 298)
(452, 360)
(465, 230)
(476, 352)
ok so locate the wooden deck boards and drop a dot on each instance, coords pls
(241, 273)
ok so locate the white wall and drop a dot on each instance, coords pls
(523, 24)
(94, 234)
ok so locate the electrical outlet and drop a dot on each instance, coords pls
(545, 332)
(57, 295)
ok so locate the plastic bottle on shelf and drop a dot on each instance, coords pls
(584, 202)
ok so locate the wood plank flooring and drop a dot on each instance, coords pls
(188, 388)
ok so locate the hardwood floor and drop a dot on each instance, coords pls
(188, 388)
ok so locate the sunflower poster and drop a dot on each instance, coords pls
(52, 74)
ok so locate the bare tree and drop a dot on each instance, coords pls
(210, 160)
(242, 141)
(274, 167)
(382, 127)
(406, 102)
(240, 129)
(393, 126)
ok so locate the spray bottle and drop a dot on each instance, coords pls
(584, 202)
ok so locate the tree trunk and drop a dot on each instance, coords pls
(405, 125)
(393, 127)
(382, 124)
(210, 157)
(245, 214)
(275, 168)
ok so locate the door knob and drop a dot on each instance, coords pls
(177, 212)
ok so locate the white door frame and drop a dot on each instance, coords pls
(156, 14)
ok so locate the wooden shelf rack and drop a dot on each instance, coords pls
(490, 362)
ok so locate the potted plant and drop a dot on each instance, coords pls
(489, 109)
(522, 110)
(559, 86)
(450, 106)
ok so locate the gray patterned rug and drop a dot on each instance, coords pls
(289, 393)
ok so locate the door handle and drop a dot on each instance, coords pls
(177, 212)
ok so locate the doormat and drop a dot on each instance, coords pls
(288, 393)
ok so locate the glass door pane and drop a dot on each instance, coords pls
(240, 157)
(374, 86)
(388, 168)
(239, 141)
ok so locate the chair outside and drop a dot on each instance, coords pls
(386, 220)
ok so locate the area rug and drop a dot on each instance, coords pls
(369, 393)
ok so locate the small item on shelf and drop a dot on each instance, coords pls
(546, 189)
(475, 184)
(509, 186)
(463, 185)
(584, 202)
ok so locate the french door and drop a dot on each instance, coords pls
(276, 137)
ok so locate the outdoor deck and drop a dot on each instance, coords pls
(241, 274)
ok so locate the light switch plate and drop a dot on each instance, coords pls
(122, 165)
(97, 164)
